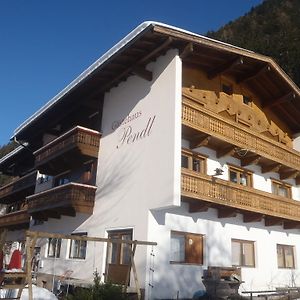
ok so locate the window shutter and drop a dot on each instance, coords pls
(194, 248)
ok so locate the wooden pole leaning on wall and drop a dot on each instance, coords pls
(32, 236)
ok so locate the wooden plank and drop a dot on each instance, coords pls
(226, 212)
(164, 45)
(200, 141)
(137, 285)
(187, 51)
(226, 151)
(281, 100)
(255, 74)
(252, 217)
(250, 160)
(198, 207)
(40, 234)
(225, 67)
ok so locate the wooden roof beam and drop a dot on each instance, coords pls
(297, 180)
(226, 212)
(266, 68)
(291, 225)
(67, 211)
(287, 97)
(273, 221)
(198, 207)
(271, 168)
(143, 60)
(289, 174)
(226, 151)
(250, 160)
(252, 217)
(143, 73)
(187, 51)
(225, 67)
(200, 141)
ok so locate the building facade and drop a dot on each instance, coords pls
(169, 137)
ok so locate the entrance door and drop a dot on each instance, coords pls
(118, 257)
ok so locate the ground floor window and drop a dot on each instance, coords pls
(186, 248)
(242, 253)
(285, 256)
(78, 247)
(54, 246)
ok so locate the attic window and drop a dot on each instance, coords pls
(247, 100)
(227, 88)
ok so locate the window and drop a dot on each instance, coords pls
(119, 253)
(54, 246)
(193, 161)
(242, 253)
(281, 189)
(78, 247)
(62, 179)
(186, 248)
(240, 176)
(285, 256)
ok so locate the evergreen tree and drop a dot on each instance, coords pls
(271, 28)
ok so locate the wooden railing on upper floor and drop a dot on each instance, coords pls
(205, 121)
(66, 199)
(74, 146)
(15, 220)
(216, 191)
(19, 185)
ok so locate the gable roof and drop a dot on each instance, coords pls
(151, 39)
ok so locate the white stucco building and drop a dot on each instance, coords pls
(169, 137)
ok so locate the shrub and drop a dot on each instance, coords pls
(98, 291)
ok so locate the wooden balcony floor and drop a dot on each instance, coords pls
(202, 191)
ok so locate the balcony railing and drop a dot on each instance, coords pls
(63, 200)
(15, 220)
(74, 147)
(204, 121)
(18, 189)
(224, 193)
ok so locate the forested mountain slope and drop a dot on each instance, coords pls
(271, 28)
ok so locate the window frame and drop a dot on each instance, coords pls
(242, 258)
(56, 249)
(284, 248)
(191, 155)
(239, 171)
(278, 183)
(188, 260)
(81, 243)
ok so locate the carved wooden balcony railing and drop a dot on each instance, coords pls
(67, 199)
(204, 127)
(221, 193)
(70, 149)
(15, 220)
(18, 189)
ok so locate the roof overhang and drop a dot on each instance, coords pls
(151, 39)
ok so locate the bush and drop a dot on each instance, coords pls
(98, 291)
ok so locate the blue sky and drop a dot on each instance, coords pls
(45, 44)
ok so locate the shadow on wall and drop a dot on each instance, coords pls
(183, 280)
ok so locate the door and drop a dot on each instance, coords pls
(118, 257)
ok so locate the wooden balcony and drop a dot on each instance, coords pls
(67, 199)
(206, 128)
(67, 151)
(15, 220)
(203, 191)
(18, 189)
